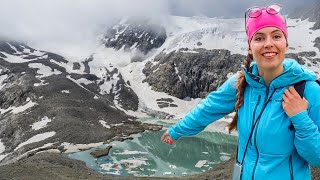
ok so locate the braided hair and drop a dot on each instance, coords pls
(240, 85)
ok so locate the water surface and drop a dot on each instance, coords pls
(146, 155)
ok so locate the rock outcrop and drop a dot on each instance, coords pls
(191, 73)
(135, 33)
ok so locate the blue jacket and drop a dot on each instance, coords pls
(275, 151)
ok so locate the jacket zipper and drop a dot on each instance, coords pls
(255, 145)
(290, 167)
(255, 137)
(254, 113)
(265, 101)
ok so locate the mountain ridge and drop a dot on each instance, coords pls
(98, 99)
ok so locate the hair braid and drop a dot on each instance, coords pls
(241, 84)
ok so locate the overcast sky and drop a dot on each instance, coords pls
(76, 21)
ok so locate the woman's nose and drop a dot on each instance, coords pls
(268, 42)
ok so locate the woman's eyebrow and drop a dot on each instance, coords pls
(276, 30)
(260, 33)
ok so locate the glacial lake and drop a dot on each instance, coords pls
(146, 155)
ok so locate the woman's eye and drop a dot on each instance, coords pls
(258, 39)
(277, 36)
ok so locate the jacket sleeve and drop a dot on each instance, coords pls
(307, 124)
(215, 106)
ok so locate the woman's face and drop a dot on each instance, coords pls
(268, 47)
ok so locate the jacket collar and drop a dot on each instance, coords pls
(293, 73)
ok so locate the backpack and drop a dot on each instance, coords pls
(299, 87)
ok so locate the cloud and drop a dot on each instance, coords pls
(68, 20)
(78, 22)
(227, 8)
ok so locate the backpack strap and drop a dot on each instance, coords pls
(299, 87)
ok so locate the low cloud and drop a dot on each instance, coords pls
(54, 22)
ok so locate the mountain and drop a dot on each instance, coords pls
(312, 13)
(308, 11)
(50, 102)
(45, 97)
(135, 33)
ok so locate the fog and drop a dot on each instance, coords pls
(50, 23)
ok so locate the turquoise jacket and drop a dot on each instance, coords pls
(275, 151)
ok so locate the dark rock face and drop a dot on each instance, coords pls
(14, 48)
(317, 43)
(138, 34)
(102, 152)
(191, 74)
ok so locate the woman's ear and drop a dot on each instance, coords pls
(249, 51)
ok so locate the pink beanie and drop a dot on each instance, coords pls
(265, 20)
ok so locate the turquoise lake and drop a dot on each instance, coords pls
(146, 155)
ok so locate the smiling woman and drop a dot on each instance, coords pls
(266, 105)
(268, 47)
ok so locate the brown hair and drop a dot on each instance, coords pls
(241, 84)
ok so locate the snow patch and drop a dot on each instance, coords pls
(83, 81)
(126, 152)
(44, 71)
(41, 124)
(65, 91)
(104, 124)
(16, 110)
(77, 147)
(36, 138)
(200, 163)
(15, 59)
(2, 147)
(2, 78)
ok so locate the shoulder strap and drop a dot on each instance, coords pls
(299, 87)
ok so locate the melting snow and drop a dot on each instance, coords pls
(37, 138)
(77, 147)
(41, 124)
(65, 91)
(200, 163)
(2, 78)
(19, 109)
(15, 59)
(130, 152)
(44, 71)
(104, 124)
(2, 147)
(83, 81)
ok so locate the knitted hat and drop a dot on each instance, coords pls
(265, 19)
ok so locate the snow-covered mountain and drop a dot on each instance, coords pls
(58, 101)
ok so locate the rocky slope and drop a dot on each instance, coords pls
(74, 104)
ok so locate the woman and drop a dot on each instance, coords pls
(278, 130)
